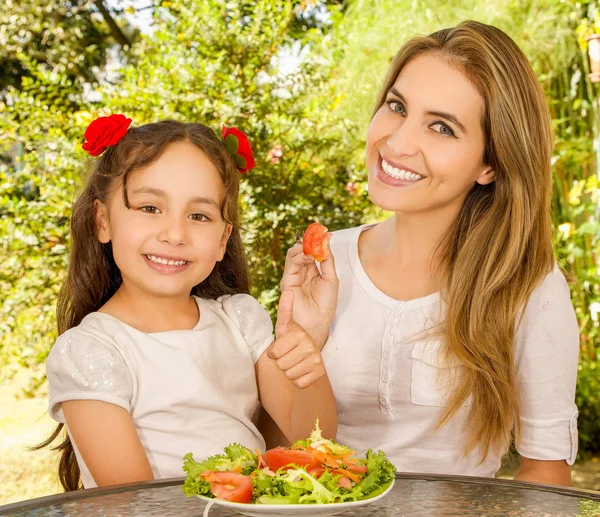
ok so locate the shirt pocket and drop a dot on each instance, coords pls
(432, 381)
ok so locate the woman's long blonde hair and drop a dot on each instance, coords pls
(499, 248)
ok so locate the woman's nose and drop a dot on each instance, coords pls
(404, 138)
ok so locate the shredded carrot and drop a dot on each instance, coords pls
(259, 458)
(348, 459)
(348, 474)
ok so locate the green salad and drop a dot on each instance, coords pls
(312, 471)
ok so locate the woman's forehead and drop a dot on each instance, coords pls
(430, 83)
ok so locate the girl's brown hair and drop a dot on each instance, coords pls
(499, 248)
(93, 277)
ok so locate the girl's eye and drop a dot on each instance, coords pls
(198, 217)
(443, 129)
(149, 209)
(396, 106)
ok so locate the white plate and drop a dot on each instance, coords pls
(291, 510)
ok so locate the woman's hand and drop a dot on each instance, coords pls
(315, 293)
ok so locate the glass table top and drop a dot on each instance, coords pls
(413, 495)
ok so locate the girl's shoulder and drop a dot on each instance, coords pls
(86, 364)
(96, 327)
(249, 318)
(88, 345)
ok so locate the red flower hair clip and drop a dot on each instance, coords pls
(104, 132)
(237, 143)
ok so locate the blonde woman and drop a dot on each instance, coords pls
(451, 328)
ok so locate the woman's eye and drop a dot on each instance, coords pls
(149, 209)
(199, 217)
(396, 106)
(443, 129)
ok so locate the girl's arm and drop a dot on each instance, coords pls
(292, 383)
(546, 472)
(107, 441)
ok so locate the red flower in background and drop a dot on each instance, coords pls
(104, 132)
(239, 145)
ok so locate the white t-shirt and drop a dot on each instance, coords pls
(186, 390)
(389, 385)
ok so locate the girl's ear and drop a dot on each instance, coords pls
(102, 222)
(487, 176)
(224, 239)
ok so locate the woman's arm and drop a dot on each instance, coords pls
(545, 472)
(546, 353)
(293, 386)
(107, 441)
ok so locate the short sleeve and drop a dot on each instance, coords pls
(253, 322)
(546, 353)
(80, 367)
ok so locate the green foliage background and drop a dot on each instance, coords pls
(218, 62)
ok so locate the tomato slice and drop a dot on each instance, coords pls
(231, 486)
(281, 457)
(314, 242)
(357, 469)
(315, 472)
(344, 482)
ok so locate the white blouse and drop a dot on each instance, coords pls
(391, 388)
(186, 390)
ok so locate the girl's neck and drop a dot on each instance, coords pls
(152, 313)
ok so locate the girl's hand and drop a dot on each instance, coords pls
(315, 293)
(293, 350)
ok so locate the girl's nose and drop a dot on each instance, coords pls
(173, 231)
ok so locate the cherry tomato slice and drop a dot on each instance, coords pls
(315, 472)
(314, 242)
(281, 457)
(357, 469)
(231, 486)
(344, 482)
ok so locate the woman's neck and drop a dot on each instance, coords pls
(398, 255)
(414, 239)
(150, 313)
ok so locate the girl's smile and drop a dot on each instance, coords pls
(166, 265)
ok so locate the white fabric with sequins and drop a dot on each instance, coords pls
(186, 390)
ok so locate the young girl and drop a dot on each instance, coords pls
(452, 326)
(162, 351)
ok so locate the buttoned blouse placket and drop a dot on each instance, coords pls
(387, 366)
